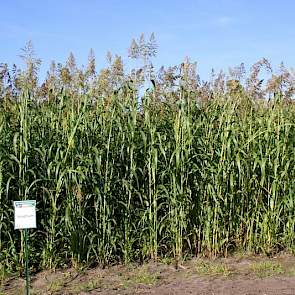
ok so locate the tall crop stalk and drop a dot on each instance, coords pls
(20, 157)
(180, 191)
(150, 219)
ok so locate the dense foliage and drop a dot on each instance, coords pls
(187, 168)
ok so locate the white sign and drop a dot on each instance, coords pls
(24, 214)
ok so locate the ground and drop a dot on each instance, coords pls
(239, 274)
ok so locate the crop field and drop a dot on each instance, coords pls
(183, 169)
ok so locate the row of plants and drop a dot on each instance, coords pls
(186, 169)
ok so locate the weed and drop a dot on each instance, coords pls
(141, 276)
(88, 286)
(212, 268)
(267, 268)
(56, 285)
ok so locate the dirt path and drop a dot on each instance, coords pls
(232, 276)
(240, 286)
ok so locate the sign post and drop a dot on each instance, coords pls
(25, 218)
(27, 262)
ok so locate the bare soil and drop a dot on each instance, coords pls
(237, 275)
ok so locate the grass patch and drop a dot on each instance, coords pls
(266, 268)
(88, 286)
(291, 271)
(167, 260)
(141, 276)
(56, 285)
(211, 268)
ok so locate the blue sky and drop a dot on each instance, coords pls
(217, 34)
